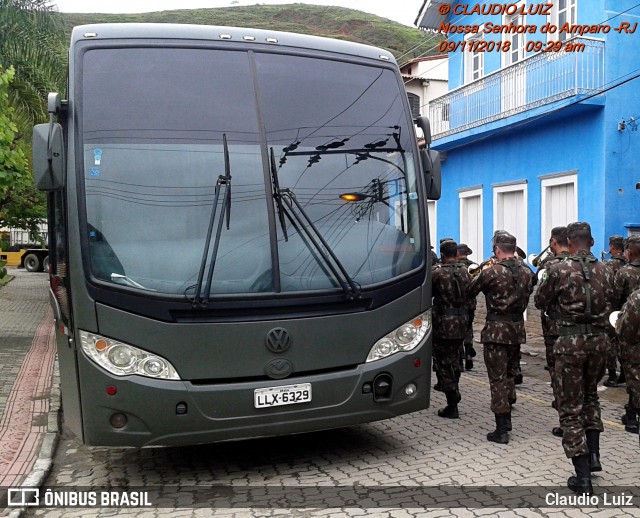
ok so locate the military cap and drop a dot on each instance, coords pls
(616, 241)
(449, 247)
(579, 229)
(446, 239)
(503, 237)
(632, 241)
(463, 249)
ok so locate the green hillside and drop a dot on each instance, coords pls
(333, 22)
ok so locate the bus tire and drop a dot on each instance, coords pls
(45, 263)
(32, 263)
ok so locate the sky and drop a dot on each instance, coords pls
(402, 11)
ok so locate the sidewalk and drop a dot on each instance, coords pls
(27, 358)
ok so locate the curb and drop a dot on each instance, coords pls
(44, 462)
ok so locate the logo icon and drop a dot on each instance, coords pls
(278, 368)
(22, 497)
(278, 340)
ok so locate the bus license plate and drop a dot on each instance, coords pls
(285, 395)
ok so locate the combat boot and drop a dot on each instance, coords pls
(451, 410)
(630, 421)
(518, 378)
(471, 352)
(581, 483)
(625, 417)
(593, 443)
(500, 435)
(622, 379)
(613, 379)
(469, 355)
(509, 426)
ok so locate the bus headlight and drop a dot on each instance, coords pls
(404, 338)
(123, 359)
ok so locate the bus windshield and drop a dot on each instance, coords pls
(329, 152)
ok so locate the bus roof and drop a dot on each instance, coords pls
(220, 33)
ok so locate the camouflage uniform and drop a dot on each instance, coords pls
(450, 317)
(577, 293)
(616, 262)
(507, 286)
(467, 351)
(434, 258)
(550, 327)
(514, 369)
(628, 330)
(625, 282)
(613, 352)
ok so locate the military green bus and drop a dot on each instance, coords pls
(238, 235)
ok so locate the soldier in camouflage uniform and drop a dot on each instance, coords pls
(515, 370)
(628, 331)
(450, 315)
(560, 248)
(625, 282)
(468, 351)
(577, 293)
(434, 257)
(617, 261)
(506, 285)
(434, 359)
(442, 241)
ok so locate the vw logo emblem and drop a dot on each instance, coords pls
(278, 340)
(278, 368)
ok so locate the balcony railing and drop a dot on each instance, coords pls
(540, 79)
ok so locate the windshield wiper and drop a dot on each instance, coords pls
(223, 180)
(275, 184)
(286, 199)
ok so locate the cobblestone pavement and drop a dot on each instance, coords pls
(396, 467)
(415, 465)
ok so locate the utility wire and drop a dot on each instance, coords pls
(477, 19)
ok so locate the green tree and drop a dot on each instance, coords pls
(32, 40)
(32, 64)
(21, 205)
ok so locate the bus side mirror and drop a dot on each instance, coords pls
(48, 156)
(430, 160)
(432, 173)
(423, 123)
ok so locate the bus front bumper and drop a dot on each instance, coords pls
(138, 411)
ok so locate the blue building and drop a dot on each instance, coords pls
(539, 127)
